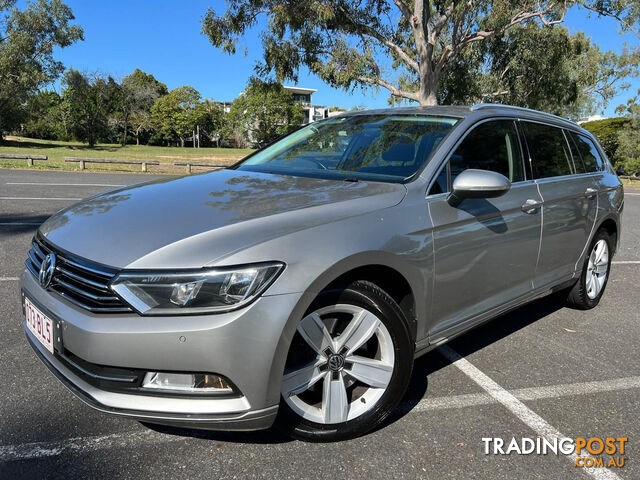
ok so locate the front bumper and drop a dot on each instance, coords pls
(245, 346)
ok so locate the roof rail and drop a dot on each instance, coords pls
(480, 106)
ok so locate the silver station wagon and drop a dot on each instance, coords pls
(298, 286)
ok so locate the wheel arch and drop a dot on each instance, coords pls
(377, 267)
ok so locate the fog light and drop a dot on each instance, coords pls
(186, 382)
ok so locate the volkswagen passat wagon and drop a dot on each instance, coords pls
(298, 286)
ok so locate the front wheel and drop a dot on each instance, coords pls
(348, 366)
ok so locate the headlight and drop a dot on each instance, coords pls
(192, 292)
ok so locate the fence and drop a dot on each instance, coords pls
(84, 161)
(28, 158)
(200, 164)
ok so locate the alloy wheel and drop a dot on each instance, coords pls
(597, 269)
(341, 363)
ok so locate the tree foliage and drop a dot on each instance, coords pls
(628, 151)
(264, 112)
(28, 38)
(419, 50)
(138, 93)
(178, 113)
(91, 99)
(607, 132)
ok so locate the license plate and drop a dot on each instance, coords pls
(39, 324)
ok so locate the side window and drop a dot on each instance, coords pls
(577, 158)
(548, 149)
(441, 185)
(490, 146)
(590, 156)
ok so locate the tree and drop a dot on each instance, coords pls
(542, 68)
(28, 38)
(213, 121)
(177, 113)
(39, 121)
(628, 151)
(607, 131)
(264, 112)
(406, 46)
(138, 92)
(90, 99)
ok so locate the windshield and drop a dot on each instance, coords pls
(388, 148)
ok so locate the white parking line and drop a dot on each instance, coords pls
(626, 262)
(515, 406)
(9, 279)
(65, 184)
(38, 198)
(528, 394)
(634, 194)
(79, 445)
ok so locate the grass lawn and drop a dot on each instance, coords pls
(56, 151)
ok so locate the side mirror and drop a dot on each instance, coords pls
(473, 183)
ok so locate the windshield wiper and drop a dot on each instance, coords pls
(352, 179)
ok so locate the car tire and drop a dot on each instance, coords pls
(588, 290)
(315, 422)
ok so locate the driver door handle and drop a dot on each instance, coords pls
(531, 206)
(590, 192)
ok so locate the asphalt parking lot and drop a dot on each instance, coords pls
(540, 370)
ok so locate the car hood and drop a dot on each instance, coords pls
(192, 221)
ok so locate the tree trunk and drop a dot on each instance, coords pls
(429, 79)
(124, 137)
(182, 142)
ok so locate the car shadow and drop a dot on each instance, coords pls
(482, 336)
(16, 224)
(470, 342)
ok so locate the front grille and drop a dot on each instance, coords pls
(81, 283)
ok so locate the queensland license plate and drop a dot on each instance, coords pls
(39, 324)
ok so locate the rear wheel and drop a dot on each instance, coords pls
(588, 290)
(348, 366)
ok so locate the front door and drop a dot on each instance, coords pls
(485, 250)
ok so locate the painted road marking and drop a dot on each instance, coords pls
(528, 394)
(634, 194)
(9, 279)
(515, 406)
(65, 184)
(79, 445)
(626, 262)
(38, 198)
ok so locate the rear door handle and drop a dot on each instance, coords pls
(590, 192)
(531, 206)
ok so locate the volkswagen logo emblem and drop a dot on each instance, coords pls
(336, 362)
(46, 270)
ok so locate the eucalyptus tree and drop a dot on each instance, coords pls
(409, 47)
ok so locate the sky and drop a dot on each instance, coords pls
(163, 37)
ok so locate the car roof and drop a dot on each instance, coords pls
(481, 110)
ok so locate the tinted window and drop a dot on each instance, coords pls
(577, 159)
(490, 146)
(588, 152)
(387, 148)
(548, 149)
(441, 184)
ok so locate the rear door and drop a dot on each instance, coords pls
(569, 201)
(485, 249)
